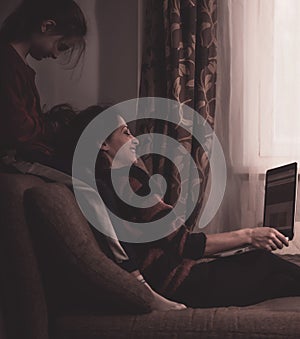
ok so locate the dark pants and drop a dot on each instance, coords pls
(239, 281)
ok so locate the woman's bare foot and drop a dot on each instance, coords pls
(160, 303)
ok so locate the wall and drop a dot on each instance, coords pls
(118, 49)
(109, 73)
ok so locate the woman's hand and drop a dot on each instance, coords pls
(267, 238)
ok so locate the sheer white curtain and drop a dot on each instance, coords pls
(265, 49)
(258, 106)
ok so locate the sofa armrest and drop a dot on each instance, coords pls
(80, 273)
(24, 305)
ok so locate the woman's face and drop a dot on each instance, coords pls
(121, 136)
(48, 45)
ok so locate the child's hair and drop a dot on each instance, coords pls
(28, 17)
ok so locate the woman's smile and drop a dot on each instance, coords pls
(121, 140)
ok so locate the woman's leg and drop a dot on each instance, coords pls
(239, 280)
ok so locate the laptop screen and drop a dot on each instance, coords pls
(280, 198)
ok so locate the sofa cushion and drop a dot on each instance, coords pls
(24, 305)
(278, 318)
(77, 274)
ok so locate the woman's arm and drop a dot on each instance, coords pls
(19, 105)
(160, 303)
(260, 237)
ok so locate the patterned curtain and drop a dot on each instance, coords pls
(179, 63)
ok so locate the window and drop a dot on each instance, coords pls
(265, 83)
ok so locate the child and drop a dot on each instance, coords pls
(41, 29)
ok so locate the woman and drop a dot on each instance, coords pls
(173, 268)
(41, 29)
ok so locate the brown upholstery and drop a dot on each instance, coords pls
(278, 318)
(79, 272)
(24, 305)
(37, 304)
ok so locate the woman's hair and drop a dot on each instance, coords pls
(28, 17)
(59, 118)
(68, 137)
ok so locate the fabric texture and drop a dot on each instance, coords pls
(22, 125)
(77, 274)
(180, 63)
(95, 208)
(166, 262)
(22, 292)
(276, 319)
(170, 264)
(240, 280)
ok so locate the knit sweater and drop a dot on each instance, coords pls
(164, 263)
(22, 124)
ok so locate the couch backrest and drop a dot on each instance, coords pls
(57, 228)
(77, 273)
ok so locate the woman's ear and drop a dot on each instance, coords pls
(48, 26)
(104, 146)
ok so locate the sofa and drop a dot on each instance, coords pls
(56, 282)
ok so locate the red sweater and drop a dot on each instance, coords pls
(164, 263)
(21, 120)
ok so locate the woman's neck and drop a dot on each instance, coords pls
(22, 48)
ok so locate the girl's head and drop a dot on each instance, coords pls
(49, 26)
(108, 149)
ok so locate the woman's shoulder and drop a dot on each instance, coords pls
(13, 70)
(103, 182)
(11, 61)
(7, 54)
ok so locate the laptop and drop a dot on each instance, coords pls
(279, 204)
